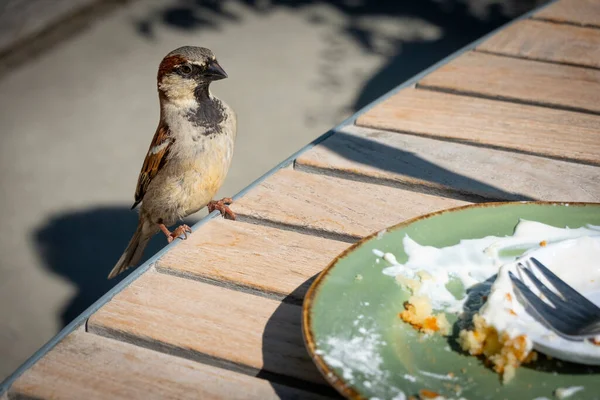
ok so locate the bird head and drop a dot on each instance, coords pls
(185, 73)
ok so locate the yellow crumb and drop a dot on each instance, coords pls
(418, 313)
(428, 394)
(504, 354)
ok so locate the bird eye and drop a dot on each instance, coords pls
(185, 69)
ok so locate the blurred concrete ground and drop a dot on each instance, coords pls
(77, 118)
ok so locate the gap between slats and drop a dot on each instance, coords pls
(332, 205)
(528, 82)
(211, 361)
(170, 325)
(385, 154)
(416, 187)
(501, 126)
(134, 372)
(226, 284)
(252, 258)
(569, 23)
(456, 194)
(504, 98)
(546, 42)
(571, 12)
(536, 59)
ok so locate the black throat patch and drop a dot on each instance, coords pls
(209, 114)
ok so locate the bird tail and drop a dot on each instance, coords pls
(134, 251)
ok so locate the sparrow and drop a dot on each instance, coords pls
(190, 153)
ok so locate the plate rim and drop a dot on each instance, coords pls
(308, 336)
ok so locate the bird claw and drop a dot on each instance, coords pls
(181, 230)
(223, 207)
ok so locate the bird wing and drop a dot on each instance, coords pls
(155, 160)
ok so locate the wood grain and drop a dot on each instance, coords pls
(537, 130)
(87, 366)
(333, 207)
(546, 41)
(410, 160)
(578, 12)
(252, 256)
(533, 82)
(204, 322)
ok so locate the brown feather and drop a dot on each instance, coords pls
(168, 64)
(155, 160)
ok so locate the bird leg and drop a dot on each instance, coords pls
(177, 232)
(222, 206)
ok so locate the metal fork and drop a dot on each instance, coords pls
(571, 315)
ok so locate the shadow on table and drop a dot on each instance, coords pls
(283, 349)
(83, 246)
(365, 151)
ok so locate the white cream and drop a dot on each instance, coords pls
(572, 254)
(563, 393)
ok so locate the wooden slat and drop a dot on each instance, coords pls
(546, 41)
(254, 256)
(561, 86)
(537, 130)
(410, 160)
(202, 321)
(578, 12)
(333, 206)
(86, 366)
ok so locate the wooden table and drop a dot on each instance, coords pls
(516, 116)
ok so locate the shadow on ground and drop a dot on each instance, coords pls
(459, 21)
(83, 246)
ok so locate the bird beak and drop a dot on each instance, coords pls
(215, 71)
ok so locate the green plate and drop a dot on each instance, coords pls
(354, 335)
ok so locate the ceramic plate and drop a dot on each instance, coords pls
(354, 335)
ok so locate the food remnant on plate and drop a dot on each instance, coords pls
(503, 352)
(563, 393)
(504, 332)
(418, 313)
(428, 394)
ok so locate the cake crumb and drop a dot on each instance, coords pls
(504, 353)
(428, 394)
(418, 313)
